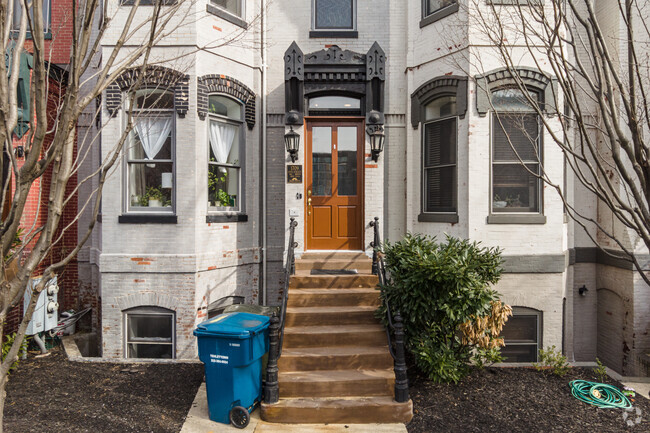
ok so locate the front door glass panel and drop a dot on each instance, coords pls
(347, 160)
(322, 160)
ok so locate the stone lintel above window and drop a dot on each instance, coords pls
(215, 83)
(446, 85)
(533, 79)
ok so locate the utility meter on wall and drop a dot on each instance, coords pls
(46, 313)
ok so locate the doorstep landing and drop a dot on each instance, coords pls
(198, 421)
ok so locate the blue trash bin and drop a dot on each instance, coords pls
(232, 346)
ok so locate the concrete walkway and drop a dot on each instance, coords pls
(198, 421)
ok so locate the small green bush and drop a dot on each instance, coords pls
(553, 360)
(437, 287)
(6, 347)
(600, 371)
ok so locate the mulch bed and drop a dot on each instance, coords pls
(52, 394)
(515, 400)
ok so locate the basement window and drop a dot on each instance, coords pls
(149, 333)
(523, 335)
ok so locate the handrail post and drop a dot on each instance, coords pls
(272, 388)
(375, 245)
(401, 379)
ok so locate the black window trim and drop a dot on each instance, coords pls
(351, 32)
(437, 15)
(527, 311)
(443, 217)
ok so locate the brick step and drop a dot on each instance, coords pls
(335, 358)
(320, 336)
(333, 281)
(366, 410)
(327, 297)
(334, 255)
(337, 383)
(363, 265)
(318, 316)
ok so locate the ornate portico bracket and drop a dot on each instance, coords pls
(338, 72)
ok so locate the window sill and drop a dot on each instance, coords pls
(227, 218)
(438, 15)
(438, 218)
(226, 16)
(147, 219)
(351, 34)
(516, 219)
(28, 35)
(516, 2)
(147, 2)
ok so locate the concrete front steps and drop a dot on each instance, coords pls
(335, 365)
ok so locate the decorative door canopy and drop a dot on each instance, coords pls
(334, 71)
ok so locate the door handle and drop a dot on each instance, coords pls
(309, 206)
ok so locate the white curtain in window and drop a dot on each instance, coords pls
(222, 136)
(153, 133)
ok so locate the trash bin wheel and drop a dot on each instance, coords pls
(239, 417)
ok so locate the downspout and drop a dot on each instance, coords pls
(263, 152)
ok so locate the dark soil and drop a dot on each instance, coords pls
(515, 400)
(52, 394)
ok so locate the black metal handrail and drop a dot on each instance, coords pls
(396, 345)
(276, 329)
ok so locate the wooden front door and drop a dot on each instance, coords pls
(334, 184)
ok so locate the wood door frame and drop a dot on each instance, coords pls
(361, 156)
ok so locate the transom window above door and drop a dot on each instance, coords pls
(334, 16)
(332, 105)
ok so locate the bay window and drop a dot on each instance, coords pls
(439, 161)
(226, 136)
(516, 153)
(150, 153)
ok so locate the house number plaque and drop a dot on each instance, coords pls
(294, 173)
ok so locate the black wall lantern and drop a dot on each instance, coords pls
(377, 138)
(292, 143)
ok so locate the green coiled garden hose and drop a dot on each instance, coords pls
(599, 394)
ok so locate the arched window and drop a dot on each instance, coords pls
(149, 332)
(439, 156)
(523, 335)
(436, 106)
(516, 152)
(226, 137)
(150, 153)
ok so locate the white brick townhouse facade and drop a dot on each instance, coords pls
(199, 208)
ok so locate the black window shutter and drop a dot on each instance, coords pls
(439, 176)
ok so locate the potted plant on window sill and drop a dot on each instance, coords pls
(153, 197)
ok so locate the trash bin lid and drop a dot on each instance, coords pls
(233, 325)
